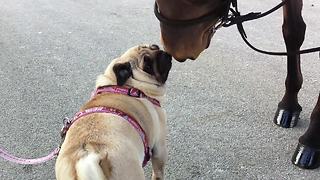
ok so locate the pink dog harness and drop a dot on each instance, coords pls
(109, 110)
(133, 92)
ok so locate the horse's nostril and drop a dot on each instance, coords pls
(154, 47)
(181, 60)
(192, 58)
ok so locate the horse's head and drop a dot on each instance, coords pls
(183, 37)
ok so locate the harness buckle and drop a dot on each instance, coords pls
(133, 92)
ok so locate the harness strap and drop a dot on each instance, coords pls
(133, 92)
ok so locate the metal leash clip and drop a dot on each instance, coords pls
(65, 127)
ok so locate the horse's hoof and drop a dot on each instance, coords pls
(285, 118)
(306, 157)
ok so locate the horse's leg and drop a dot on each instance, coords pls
(293, 30)
(307, 154)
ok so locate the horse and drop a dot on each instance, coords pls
(187, 27)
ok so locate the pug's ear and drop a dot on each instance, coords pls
(123, 72)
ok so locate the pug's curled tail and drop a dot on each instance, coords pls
(89, 167)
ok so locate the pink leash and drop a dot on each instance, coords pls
(109, 89)
(9, 157)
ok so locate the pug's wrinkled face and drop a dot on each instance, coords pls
(144, 63)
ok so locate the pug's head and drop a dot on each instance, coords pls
(142, 67)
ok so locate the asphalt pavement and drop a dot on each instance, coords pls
(220, 107)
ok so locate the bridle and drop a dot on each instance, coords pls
(231, 17)
(182, 23)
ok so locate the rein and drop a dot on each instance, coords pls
(231, 17)
(238, 19)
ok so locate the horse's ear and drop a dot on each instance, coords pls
(123, 72)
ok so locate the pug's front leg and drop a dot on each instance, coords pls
(159, 159)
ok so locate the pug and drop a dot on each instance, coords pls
(123, 124)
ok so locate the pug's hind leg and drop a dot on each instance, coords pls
(159, 159)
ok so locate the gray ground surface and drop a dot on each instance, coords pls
(220, 107)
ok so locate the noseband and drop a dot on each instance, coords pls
(190, 22)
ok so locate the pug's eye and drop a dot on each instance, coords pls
(148, 65)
